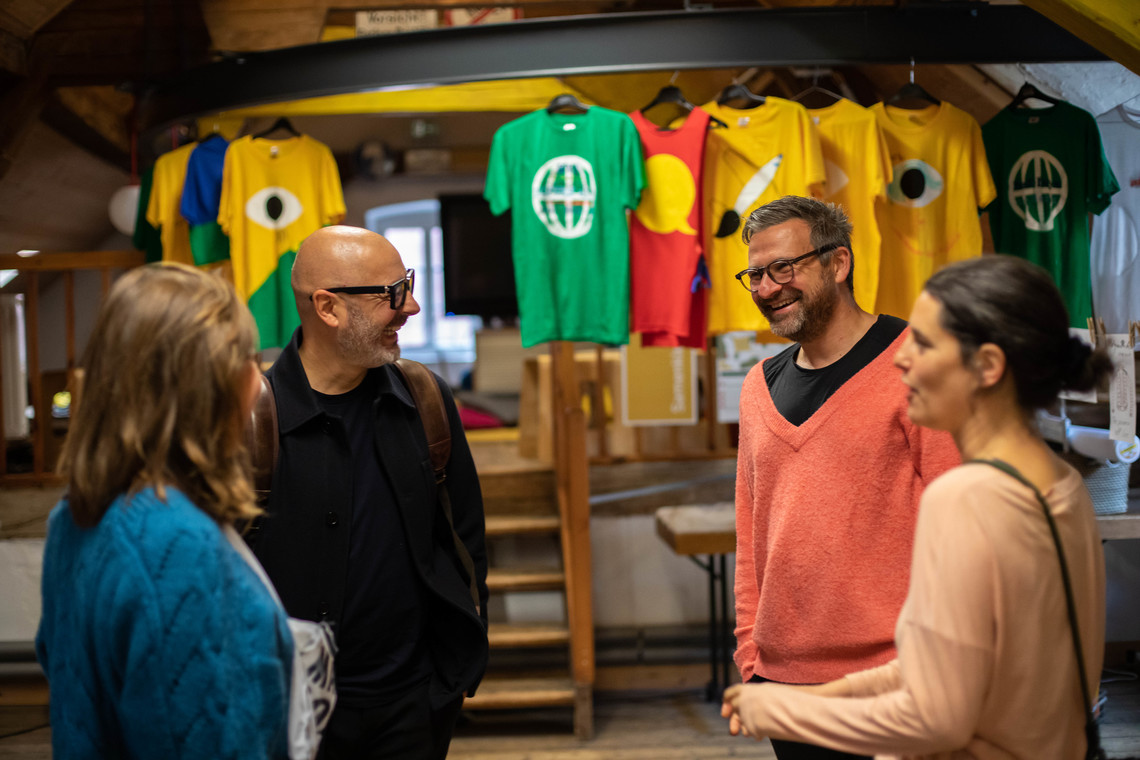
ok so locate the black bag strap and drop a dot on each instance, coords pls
(429, 402)
(261, 440)
(1092, 731)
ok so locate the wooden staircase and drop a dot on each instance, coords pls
(523, 510)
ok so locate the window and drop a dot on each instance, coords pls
(433, 336)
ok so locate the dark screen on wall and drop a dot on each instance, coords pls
(479, 277)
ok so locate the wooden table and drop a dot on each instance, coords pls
(1123, 525)
(708, 529)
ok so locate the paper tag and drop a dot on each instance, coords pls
(1122, 389)
(1089, 397)
(743, 121)
(569, 127)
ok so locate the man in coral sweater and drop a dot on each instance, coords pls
(830, 468)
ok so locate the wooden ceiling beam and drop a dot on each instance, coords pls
(13, 54)
(1110, 26)
(20, 107)
(99, 129)
(23, 18)
(121, 41)
(253, 25)
(104, 109)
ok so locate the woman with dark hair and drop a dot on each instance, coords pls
(157, 638)
(987, 666)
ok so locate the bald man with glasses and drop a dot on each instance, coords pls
(353, 532)
(829, 469)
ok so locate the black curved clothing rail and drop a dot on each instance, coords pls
(970, 32)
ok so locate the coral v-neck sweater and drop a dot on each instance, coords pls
(825, 517)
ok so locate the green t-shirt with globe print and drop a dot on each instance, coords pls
(568, 180)
(1051, 173)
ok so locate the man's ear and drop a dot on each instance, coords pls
(989, 363)
(325, 305)
(843, 263)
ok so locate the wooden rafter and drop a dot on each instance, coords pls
(1110, 26)
(23, 18)
(13, 54)
(20, 107)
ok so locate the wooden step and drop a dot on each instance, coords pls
(525, 579)
(508, 525)
(518, 491)
(504, 635)
(518, 693)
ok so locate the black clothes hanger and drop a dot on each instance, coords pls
(669, 94)
(566, 103)
(911, 91)
(1028, 92)
(672, 94)
(737, 92)
(281, 123)
(814, 88)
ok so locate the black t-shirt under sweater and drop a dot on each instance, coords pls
(380, 635)
(798, 393)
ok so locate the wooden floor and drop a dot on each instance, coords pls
(659, 726)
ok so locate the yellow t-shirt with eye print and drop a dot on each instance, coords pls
(941, 181)
(275, 193)
(858, 172)
(765, 153)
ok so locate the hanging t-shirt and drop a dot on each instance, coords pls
(667, 297)
(201, 195)
(766, 152)
(145, 237)
(858, 172)
(568, 180)
(275, 193)
(940, 182)
(1116, 233)
(165, 201)
(1051, 174)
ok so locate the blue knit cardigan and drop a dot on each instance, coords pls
(158, 640)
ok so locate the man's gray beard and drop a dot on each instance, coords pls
(360, 342)
(812, 320)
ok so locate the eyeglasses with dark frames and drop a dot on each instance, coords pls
(397, 292)
(781, 271)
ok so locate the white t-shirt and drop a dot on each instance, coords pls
(1116, 232)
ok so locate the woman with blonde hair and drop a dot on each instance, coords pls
(1001, 639)
(157, 638)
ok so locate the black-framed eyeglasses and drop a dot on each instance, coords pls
(781, 270)
(397, 292)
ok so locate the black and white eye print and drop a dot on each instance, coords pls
(274, 208)
(916, 184)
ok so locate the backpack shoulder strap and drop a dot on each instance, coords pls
(429, 402)
(261, 439)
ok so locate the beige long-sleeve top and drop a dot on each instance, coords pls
(986, 667)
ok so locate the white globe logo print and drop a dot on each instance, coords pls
(1038, 189)
(563, 195)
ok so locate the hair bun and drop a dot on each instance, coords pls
(1073, 360)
